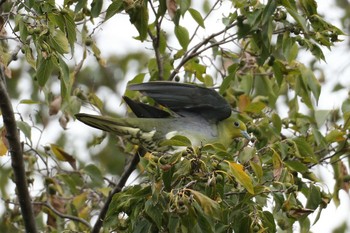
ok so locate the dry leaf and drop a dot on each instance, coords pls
(61, 155)
(55, 106)
(4, 144)
(172, 7)
(344, 173)
(64, 119)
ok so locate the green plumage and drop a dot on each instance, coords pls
(194, 118)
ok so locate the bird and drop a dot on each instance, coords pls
(198, 113)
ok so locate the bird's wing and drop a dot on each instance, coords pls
(186, 98)
(142, 110)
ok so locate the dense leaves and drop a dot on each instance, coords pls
(252, 58)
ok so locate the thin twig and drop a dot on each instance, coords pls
(131, 166)
(155, 43)
(16, 153)
(62, 215)
(210, 11)
(195, 51)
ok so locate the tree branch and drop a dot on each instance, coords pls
(131, 166)
(195, 51)
(62, 215)
(210, 11)
(155, 43)
(17, 163)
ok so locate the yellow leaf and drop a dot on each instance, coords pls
(243, 102)
(237, 170)
(62, 155)
(3, 142)
(209, 206)
(3, 148)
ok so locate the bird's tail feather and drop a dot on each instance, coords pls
(118, 126)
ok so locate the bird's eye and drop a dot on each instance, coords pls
(236, 124)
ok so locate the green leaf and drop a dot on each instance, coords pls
(278, 69)
(182, 36)
(25, 128)
(247, 154)
(309, 6)
(276, 122)
(70, 29)
(345, 108)
(335, 136)
(29, 56)
(305, 149)
(243, 178)
(154, 211)
(255, 107)
(198, 69)
(197, 17)
(95, 101)
(321, 117)
(44, 70)
(310, 79)
(74, 105)
(142, 226)
(314, 197)
(127, 201)
(23, 31)
(268, 221)
(209, 206)
(184, 5)
(59, 42)
(28, 101)
(139, 17)
(114, 8)
(319, 138)
(203, 220)
(293, 52)
(64, 77)
(95, 174)
(296, 166)
(268, 11)
(317, 52)
(294, 13)
(96, 7)
(255, 163)
(177, 140)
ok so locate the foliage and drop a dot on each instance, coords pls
(253, 60)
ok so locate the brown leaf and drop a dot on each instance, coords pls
(59, 205)
(344, 173)
(2, 23)
(8, 72)
(64, 119)
(243, 102)
(55, 106)
(299, 212)
(62, 155)
(172, 7)
(277, 165)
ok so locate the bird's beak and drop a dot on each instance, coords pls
(246, 135)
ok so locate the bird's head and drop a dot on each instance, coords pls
(231, 128)
(239, 130)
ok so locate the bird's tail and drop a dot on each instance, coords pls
(118, 126)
